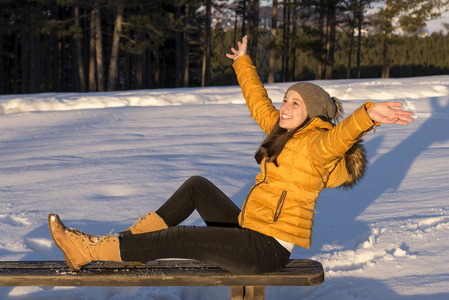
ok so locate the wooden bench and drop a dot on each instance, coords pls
(167, 272)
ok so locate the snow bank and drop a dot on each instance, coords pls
(374, 89)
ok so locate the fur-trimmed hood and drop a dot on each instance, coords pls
(356, 163)
(355, 158)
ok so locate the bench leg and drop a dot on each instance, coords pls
(247, 292)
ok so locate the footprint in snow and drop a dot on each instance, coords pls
(14, 220)
(367, 254)
(428, 224)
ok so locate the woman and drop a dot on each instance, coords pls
(303, 153)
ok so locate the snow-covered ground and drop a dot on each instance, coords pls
(102, 159)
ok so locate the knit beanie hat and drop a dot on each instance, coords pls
(318, 102)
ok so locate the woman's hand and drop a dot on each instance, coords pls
(242, 48)
(387, 113)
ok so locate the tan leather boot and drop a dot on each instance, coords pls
(151, 222)
(80, 248)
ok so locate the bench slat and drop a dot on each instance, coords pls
(298, 272)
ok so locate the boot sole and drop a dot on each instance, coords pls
(67, 259)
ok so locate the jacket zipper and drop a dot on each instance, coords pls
(280, 205)
(265, 177)
(373, 127)
(251, 190)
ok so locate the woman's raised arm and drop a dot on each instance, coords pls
(242, 49)
(256, 97)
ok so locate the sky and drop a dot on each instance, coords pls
(437, 24)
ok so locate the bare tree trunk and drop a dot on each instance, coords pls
(206, 58)
(244, 17)
(2, 64)
(235, 28)
(156, 68)
(203, 70)
(34, 62)
(74, 58)
(113, 61)
(387, 44)
(79, 51)
(149, 69)
(16, 65)
(25, 72)
(126, 72)
(98, 46)
(186, 49)
(3, 86)
(163, 56)
(249, 26)
(293, 46)
(330, 46)
(59, 65)
(322, 30)
(186, 63)
(351, 46)
(139, 69)
(55, 64)
(286, 39)
(359, 39)
(92, 79)
(179, 53)
(387, 56)
(254, 28)
(272, 49)
(146, 72)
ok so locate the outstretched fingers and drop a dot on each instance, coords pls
(241, 49)
(387, 112)
(404, 117)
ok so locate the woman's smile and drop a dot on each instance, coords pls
(293, 111)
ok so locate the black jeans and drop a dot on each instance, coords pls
(222, 242)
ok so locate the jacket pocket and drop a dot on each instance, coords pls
(279, 206)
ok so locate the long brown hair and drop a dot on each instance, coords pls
(273, 144)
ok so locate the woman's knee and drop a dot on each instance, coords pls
(196, 178)
(197, 181)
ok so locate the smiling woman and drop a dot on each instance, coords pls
(304, 152)
(307, 100)
(293, 111)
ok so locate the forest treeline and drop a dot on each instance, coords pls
(107, 45)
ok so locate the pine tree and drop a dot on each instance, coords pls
(273, 41)
(411, 15)
(113, 60)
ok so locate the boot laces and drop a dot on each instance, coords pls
(92, 240)
(137, 222)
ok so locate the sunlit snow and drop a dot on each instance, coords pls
(100, 160)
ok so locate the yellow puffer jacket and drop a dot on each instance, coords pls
(281, 204)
